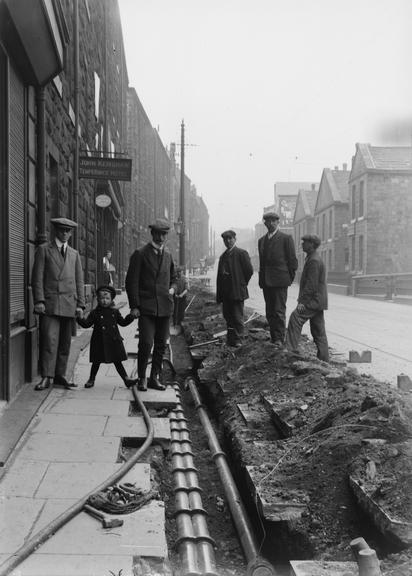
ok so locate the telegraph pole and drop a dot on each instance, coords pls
(182, 256)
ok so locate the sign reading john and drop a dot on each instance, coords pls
(105, 168)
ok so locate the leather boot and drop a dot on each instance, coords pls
(142, 385)
(154, 382)
(43, 384)
(130, 382)
(61, 381)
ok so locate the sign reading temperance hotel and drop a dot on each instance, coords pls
(105, 168)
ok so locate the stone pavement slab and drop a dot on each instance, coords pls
(73, 565)
(17, 515)
(67, 448)
(23, 478)
(75, 479)
(135, 427)
(151, 398)
(117, 407)
(142, 534)
(72, 424)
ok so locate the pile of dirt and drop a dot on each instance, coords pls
(319, 437)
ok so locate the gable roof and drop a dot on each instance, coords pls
(333, 188)
(386, 157)
(305, 204)
(292, 188)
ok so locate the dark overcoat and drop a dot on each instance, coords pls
(106, 344)
(241, 271)
(58, 281)
(148, 280)
(313, 291)
(277, 260)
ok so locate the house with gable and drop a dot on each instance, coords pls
(304, 220)
(331, 217)
(380, 210)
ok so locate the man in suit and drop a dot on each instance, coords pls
(233, 275)
(312, 300)
(278, 264)
(150, 286)
(58, 294)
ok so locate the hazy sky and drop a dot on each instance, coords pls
(270, 90)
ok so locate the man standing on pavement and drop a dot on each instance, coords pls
(150, 286)
(278, 265)
(58, 295)
(312, 300)
(233, 275)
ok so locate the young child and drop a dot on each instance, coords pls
(180, 297)
(106, 344)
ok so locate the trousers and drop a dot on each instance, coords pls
(153, 333)
(55, 342)
(275, 300)
(233, 314)
(317, 329)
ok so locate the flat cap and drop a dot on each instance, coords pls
(109, 289)
(312, 238)
(160, 224)
(228, 234)
(63, 222)
(270, 216)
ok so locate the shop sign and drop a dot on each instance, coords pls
(105, 168)
(103, 200)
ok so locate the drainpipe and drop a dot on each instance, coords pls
(76, 122)
(41, 166)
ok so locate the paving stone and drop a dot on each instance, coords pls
(142, 534)
(66, 448)
(323, 568)
(71, 424)
(135, 427)
(151, 398)
(17, 516)
(75, 479)
(12, 425)
(39, 564)
(23, 478)
(101, 391)
(117, 407)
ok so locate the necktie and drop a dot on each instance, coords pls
(63, 253)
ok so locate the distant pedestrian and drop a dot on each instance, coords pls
(277, 269)
(58, 295)
(312, 300)
(180, 296)
(150, 286)
(233, 275)
(106, 344)
(107, 269)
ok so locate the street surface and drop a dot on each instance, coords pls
(359, 324)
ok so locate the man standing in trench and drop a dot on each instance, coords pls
(312, 300)
(233, 275)
(150, 286)
(278, 265)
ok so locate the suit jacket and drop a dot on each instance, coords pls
(241, 271)
(106, 344)
(58, 281)
(148, 280)
(312, 289)
(278, 262)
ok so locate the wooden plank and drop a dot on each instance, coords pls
(323, 568)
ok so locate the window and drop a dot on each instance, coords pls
(361, 198)
(330, 260)
(361, 252)
(353, 201)
(353, 253)
(330, 224)
(323, 226)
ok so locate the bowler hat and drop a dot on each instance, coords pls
(64, 222)
(228, 234)
(105, 288)
(160, 224)
(270, 216)
(312, 238)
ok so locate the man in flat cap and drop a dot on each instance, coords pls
(277, 269)
(312, 300)
(150, 286)
(58, 295)
(233, 275)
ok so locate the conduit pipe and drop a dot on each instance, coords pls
(257, 566)
(40, 537)
(196, 547)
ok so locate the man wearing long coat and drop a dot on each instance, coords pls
(58, 295)
(277, 269)
(150, 286)
(312, 300)
(233, 275)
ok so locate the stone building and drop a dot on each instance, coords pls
(304, 221)
(380, 210)
(331, 216)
